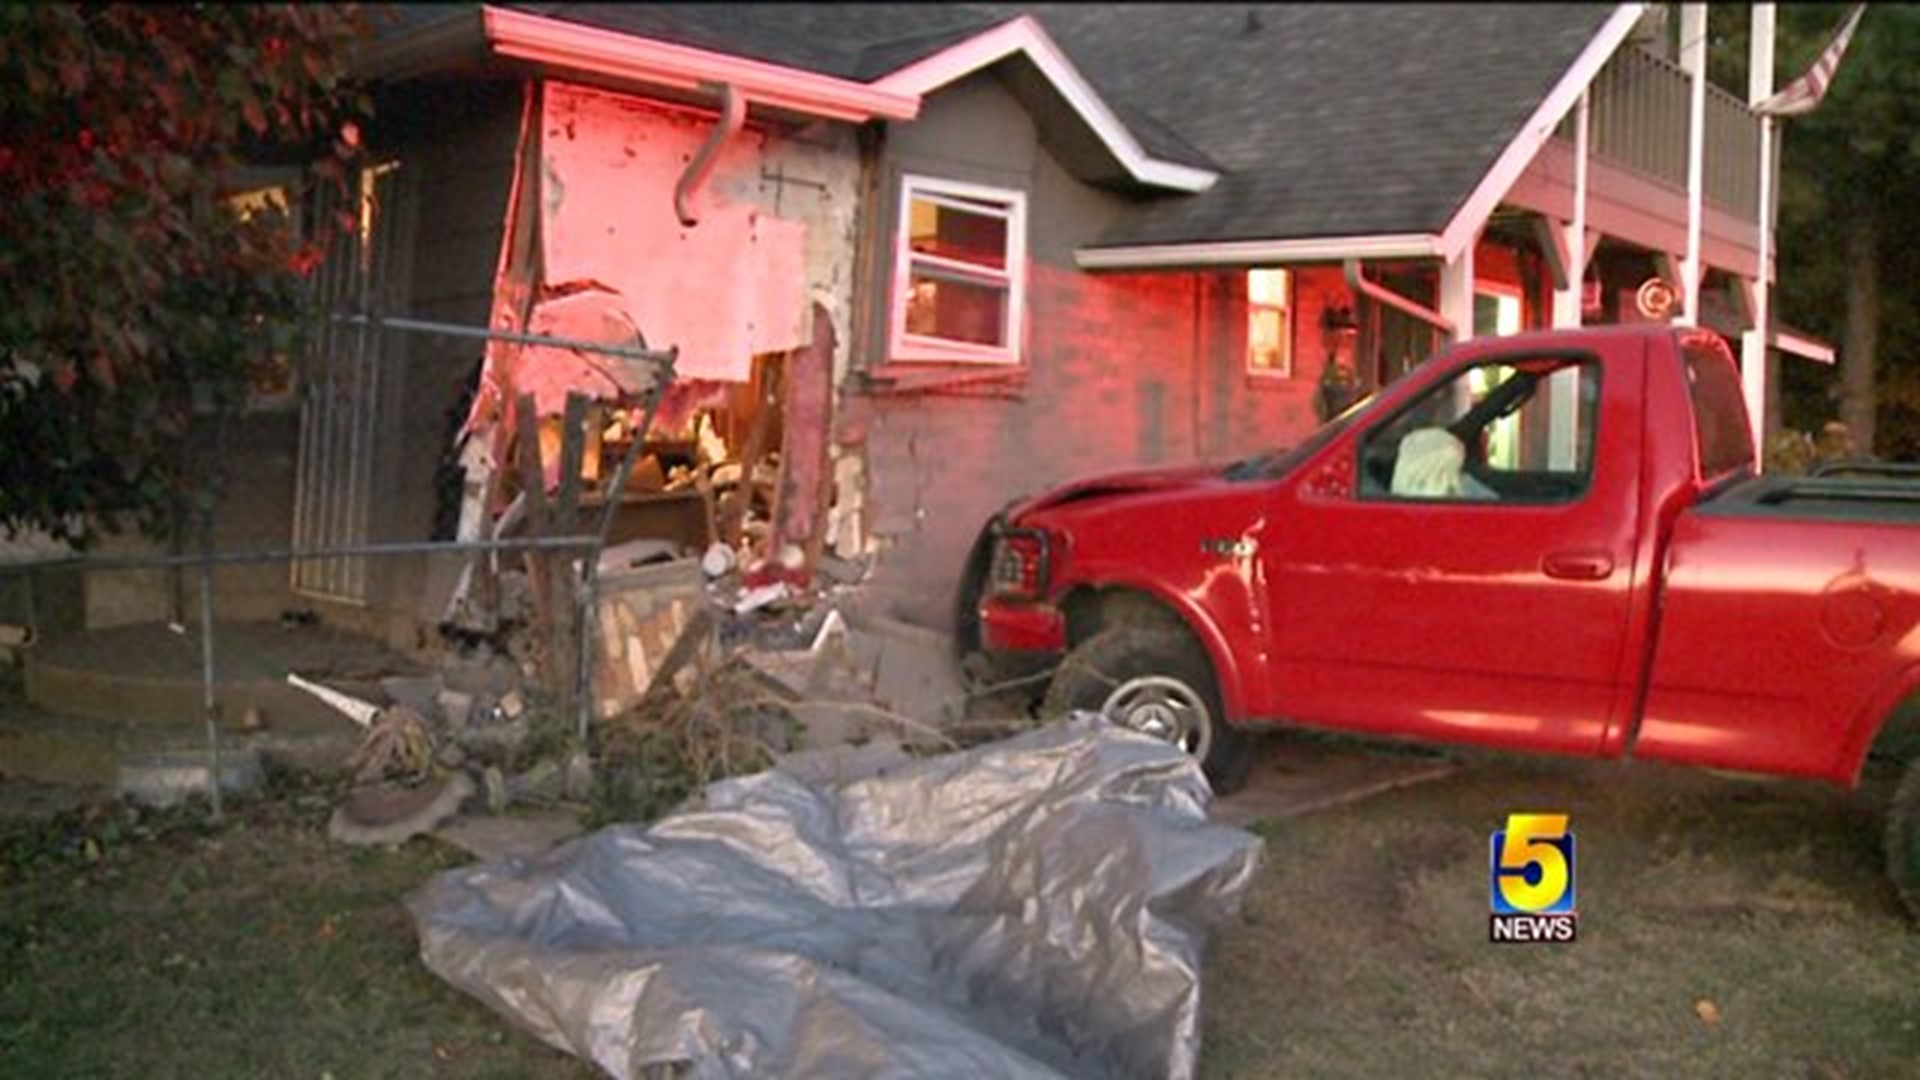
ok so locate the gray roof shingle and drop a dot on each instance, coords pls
(1323, 119)
(1327, 119)
(849, 41)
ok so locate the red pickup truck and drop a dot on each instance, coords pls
(1555, 541)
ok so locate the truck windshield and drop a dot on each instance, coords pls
(1277, 463)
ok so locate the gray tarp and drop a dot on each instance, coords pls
(1032, 907)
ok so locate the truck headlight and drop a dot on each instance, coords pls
(1019, 567)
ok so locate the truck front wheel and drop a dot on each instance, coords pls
(1159, 683)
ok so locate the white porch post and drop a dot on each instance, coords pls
(1753, 344)
(1693, 59)
(1456, 291)
(1563, 392)
(1566, 300)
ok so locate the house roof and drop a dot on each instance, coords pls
(848, 41)
(1321, 120)
(857, 42)
(1327, 120)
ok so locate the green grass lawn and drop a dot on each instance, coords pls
(259, 949)
(153, 946)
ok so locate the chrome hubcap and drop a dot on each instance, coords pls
(1164, 708)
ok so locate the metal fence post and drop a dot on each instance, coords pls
(207, 689)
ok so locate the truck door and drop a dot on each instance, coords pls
(1473, 583)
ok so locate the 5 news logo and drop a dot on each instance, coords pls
(1531, 879)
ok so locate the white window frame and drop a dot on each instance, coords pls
(1286, 308)
(926, 348)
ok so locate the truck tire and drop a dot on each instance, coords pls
(1903, 839)
(1157, 682)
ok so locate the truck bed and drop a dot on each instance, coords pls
(1888, 494)
(1790, 623)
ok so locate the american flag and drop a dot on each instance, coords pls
(1805, 92)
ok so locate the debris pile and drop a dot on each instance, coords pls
(438, 741)
(721, 628)
(700, 670)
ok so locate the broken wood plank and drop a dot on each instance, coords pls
(573, 451)
(564, 649)
(539, 522)
(805, 487)
(532, 472)
(737, 505)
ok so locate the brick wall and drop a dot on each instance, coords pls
(1123, 370)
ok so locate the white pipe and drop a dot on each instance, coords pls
(1754, 347)
(1693, 58)
(1567, 301)
(1357, 278)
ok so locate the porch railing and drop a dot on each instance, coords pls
(1639, 121)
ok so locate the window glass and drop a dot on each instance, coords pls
(1269, 322)
(1519, 432)
(1496, 311)
(946, 305)
(958, 229)
(272, 382)
(960, 273)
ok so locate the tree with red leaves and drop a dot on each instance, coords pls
(136, 305)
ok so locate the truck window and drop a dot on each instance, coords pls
(1514, 431)
(1719, 411)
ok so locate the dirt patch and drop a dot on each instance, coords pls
(1727, 927)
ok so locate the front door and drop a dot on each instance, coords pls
(1474, 585)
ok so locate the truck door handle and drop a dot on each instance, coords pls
(1578, 565)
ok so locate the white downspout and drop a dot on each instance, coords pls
(1563, 393)
(733, 116)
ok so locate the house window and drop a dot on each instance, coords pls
(961, 273)
(272, 383)
(1496, 310)
(1270, 323)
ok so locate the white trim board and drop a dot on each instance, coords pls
(1258, 252)
(1519, 154)
(1008, 204)
(1806, 346)
(1024, 35)
(542, 40)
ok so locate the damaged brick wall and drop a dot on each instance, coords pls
(728, 263)
(458, 145)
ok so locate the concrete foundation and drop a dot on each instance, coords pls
(98, 699)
